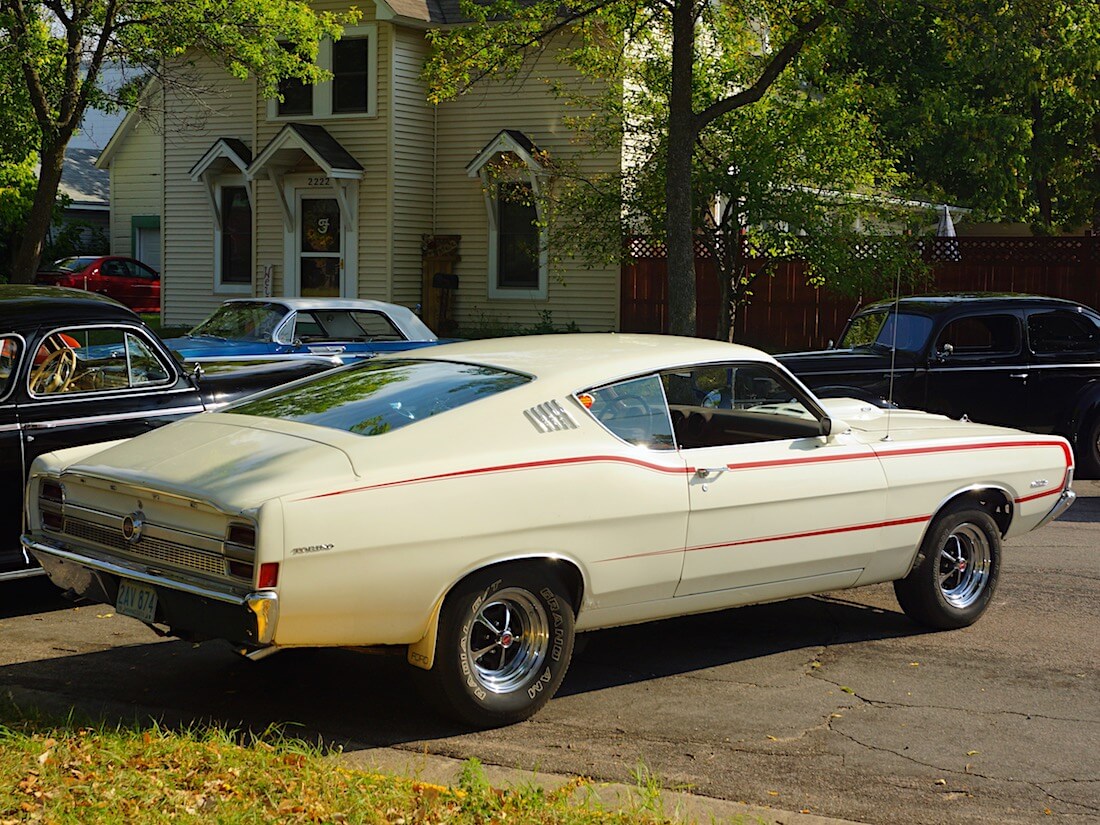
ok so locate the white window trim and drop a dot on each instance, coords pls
(221, 288)
(492, 205)
(322, 92)
(294, 188)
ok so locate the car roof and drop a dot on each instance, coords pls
(588, 359)
(406, 319)
(934, 304)
(23, 306)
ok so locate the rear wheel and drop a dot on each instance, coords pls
(1088, 448)
(504, 644)
(956, 572)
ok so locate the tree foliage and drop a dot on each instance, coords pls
(992, 105)
(726, 133)
(57, 50)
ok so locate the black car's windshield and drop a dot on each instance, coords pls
(381, 396)
(242, 321)
(883, 329)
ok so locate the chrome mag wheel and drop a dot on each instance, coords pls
(965, 564)
(508, 640)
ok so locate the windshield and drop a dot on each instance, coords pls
(876, 330)
(242, 321)
(381, 396)
(73, 264)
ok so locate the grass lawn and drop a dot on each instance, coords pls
(69, 772)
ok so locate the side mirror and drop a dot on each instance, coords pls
(831, 344)
(944, 353)
(826, 427)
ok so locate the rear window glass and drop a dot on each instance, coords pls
(9, 360)
(382, 396)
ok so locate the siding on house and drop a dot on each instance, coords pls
(192, 124)
(414, 157)
(588, 298)
(412, 141)
(137, 181)
(367, 139)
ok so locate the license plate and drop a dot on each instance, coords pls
(136, 600)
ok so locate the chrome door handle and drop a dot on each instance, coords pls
(1017, 375)
(708, 472)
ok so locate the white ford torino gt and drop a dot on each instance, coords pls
(480, 503)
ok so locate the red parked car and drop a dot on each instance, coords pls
(124, 279)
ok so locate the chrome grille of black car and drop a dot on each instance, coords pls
(151, 549)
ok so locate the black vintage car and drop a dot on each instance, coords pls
(1017, 360)
(78, 368)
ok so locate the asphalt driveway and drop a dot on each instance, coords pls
(836, 705)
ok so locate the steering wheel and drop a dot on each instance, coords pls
(55, 373)
(624, 406)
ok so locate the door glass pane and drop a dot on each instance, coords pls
(320, 277)
(145, 367)
(320, 225)
(320, 247)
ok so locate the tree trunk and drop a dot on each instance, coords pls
(681, 142)
(25, 263)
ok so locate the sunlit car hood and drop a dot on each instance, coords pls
(230, 466)
(873, 423)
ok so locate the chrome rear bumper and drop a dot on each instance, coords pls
(188, 607)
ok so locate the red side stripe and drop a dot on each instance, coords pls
(764, 539)
(507, 468)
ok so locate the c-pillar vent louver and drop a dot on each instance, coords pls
(550, 416)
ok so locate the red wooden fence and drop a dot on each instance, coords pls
(786, 314)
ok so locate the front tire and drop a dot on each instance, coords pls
(956, 571)
(504, 644)
(1087, 450)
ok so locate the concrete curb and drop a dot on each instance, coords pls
(675, 805)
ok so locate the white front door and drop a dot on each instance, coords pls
(320, 248)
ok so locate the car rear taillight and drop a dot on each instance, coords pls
(240, 569)
(240, 550)
(52, 491)
(243, 535)
(51, 501)
(269, 574)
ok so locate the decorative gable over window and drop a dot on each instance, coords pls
(512, 177)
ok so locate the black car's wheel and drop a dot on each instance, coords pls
(1087, 452)
(504, 644)
(956, 571)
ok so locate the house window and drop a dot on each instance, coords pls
(236, 236)
(518, 238)
(232, 237)
(352, 62)
(350, 59)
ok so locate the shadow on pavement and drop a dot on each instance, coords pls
(25, 597)
(348, 698)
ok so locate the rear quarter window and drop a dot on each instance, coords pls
(382, 396)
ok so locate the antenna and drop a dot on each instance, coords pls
(893, 353)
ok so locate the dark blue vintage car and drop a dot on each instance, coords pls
(79, 368)
(341, 328)
(1020, 361)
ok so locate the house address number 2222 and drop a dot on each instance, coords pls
(319, 181)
